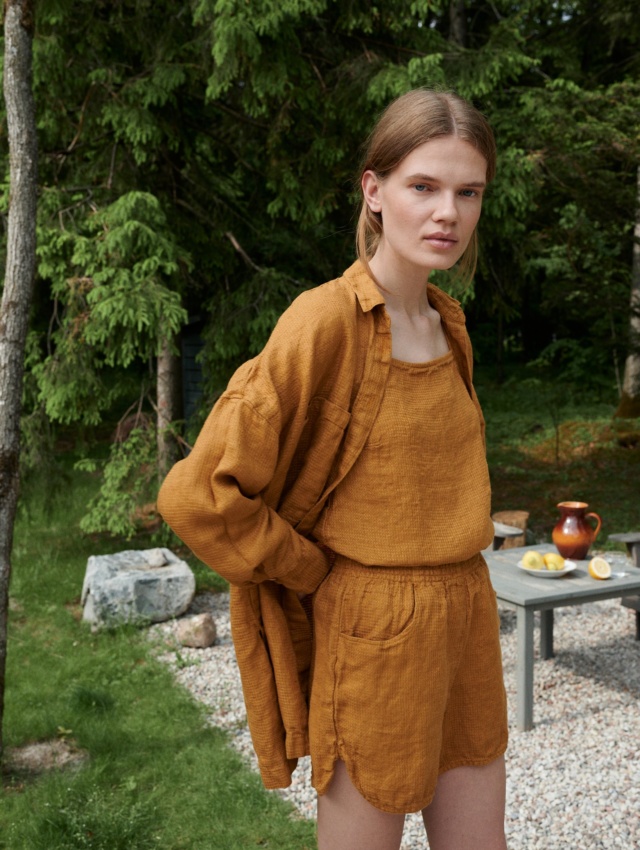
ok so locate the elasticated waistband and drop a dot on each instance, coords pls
(411, 573)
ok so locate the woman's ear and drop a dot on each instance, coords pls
(371, 191)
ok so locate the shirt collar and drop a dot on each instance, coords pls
(369, 296)
(367, 293)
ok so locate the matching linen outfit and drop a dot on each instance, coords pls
(325, 439)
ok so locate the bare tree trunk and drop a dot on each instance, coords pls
(167, 392)
(629, 406)
(458, 23)
(18, 283)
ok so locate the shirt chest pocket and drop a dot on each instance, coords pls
(314, 459)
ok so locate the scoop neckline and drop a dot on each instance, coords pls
(436, 361)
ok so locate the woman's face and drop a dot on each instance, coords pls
(430, 204)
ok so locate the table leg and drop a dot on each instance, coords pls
(546, 633)
(524, 671)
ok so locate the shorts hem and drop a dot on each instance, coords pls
(322, 787)
(371, 799)
(474, 762)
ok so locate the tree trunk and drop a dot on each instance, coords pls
(18, 284)
(167, 392)
(629, 406)
(458, 23)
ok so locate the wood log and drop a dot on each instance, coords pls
(518, 519)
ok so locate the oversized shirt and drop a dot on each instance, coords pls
(277, 443)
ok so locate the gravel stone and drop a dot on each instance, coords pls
(573, 781)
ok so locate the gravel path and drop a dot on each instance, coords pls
(573, 782)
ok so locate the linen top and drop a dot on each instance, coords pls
(276, 444)
(419, 492)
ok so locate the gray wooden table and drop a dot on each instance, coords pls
(528, 593)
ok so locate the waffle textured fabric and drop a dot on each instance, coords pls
(278, 442)
(419, 493)
(407, 678)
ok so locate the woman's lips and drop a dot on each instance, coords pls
(441, 240)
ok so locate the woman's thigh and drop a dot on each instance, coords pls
(467, 811)
(346, 821)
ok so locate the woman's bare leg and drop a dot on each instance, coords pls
(467, 812)
(346, 821)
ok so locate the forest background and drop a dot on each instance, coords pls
(196, 172)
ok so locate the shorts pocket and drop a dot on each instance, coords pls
(378, 615)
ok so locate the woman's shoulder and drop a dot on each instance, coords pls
(319, 324)
(333, 310)
(323, 308)
(310, 341)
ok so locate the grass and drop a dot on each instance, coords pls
(158, 776)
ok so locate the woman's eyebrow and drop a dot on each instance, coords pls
(426, 178)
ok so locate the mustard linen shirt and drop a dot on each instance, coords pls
(280, 439)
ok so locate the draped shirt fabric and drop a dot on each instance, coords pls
(276, 445)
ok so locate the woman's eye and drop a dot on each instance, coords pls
(469, 193)
(420, 187)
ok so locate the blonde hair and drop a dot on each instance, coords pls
(408, 122)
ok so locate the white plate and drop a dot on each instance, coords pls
(569, 566)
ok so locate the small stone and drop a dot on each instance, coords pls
(156, 558)
(198, 631)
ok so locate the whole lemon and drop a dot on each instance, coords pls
(533, 560)
(553, 561)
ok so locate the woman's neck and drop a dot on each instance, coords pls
(404, 286)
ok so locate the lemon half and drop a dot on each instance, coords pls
(599, 568)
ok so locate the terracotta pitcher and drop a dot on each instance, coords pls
(574, 534)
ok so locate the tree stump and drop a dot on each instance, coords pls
(518, 519)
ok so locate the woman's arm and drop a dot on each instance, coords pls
(213, 500)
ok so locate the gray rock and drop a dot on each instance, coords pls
(132, 587)
(198, 631)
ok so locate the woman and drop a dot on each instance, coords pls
(341, 480)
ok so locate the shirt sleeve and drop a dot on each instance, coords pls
(213, 500)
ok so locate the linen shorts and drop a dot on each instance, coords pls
(406, 679)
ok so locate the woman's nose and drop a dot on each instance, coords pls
(446, 208)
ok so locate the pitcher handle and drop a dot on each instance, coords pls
(598, 523)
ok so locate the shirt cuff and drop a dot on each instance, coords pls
(305, 578)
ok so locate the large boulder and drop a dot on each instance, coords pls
(136, 586)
